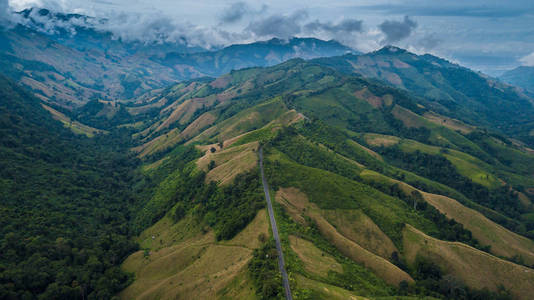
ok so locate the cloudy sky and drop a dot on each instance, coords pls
(486, 35)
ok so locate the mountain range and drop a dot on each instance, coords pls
(71, 66)
(520, 76)
(132, 170)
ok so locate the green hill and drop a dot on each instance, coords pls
(378, 192)
(352, 163)
(521, 77)
(446, 88)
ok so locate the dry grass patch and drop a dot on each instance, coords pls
(370, 175)
(475, 268)
(372, 99)
(229, 162)
(453, 124)
(408, 118)
(184, 112)
(196, 126)
(240, 288)
(250, 236)
(74, 126)
(326, 291)
(315, 261)
(210, 268)
(525, 200)
(174, 136)
(359, 228)
(191, 264)
(246, 121)
(502, 241)
(378, 265)
(371, 152)
(379, 140)
(159, 143)
(299, 203)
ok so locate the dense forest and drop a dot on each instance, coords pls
(64, 210)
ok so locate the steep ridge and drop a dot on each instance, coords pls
(446, 88)
(521, 76)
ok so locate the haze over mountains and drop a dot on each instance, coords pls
(521, 76)
(76, 63)
(130, 169)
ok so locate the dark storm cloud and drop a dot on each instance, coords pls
(345, 26)
(234, 13)
(281, 26)
(396, 31)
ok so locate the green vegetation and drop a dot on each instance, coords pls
(306, 153)
(432, 282)
(182, 188)
(65, 205)
(229, 209)
(331, 191)
(353, 276)
(440, 169)
(344, 147)
(264, 271)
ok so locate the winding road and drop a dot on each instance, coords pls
(281, 264)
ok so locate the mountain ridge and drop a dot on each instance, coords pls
(70, 67)
(522, 76)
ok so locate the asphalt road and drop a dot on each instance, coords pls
(281, 264)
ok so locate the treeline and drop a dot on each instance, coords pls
(306, 153)
(440, 169)
(229, 209)
(431, 281)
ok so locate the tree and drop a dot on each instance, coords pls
(211, 165)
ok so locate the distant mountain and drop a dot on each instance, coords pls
(446, 88)
(262, 54)
(69, 62)
(520, 76)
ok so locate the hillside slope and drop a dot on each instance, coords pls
(68, 61)
(446, 88)
(521, 76)
(66, 200)
(353, 165)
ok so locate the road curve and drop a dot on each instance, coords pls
(281, 264)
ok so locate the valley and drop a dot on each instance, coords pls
(279, 169)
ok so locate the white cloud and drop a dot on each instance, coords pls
(528, 60)
(454, 27)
